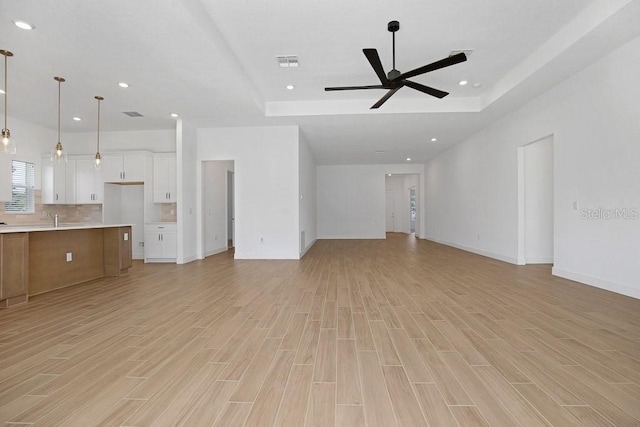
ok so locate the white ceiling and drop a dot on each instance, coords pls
(213, 62)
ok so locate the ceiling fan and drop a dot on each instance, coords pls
(394, 80)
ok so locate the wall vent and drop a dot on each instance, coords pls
(132, 114)
(288, 61)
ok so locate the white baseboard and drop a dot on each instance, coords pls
(383, 236)
(216, 251)
(243, 255)
(308, 247)
(597, 282)
(510, 260)
(187, 259)
(539, 261)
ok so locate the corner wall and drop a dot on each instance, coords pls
(266, 187)
(472, 189)
(308, 195)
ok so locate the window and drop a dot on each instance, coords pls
(22, 188)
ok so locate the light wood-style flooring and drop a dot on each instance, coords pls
(358, 333)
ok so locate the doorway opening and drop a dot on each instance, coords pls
(218, 206)
(402, 203)
(412, 210)
(231, 225)
(535, 202)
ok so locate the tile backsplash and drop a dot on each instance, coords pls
(44, 213)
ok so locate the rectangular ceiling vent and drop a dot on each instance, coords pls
(287, 61)
(132, 114)
(467, 52)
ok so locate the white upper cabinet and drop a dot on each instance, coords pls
(89, 186)
(164, 178)
(54, 182)
(123, 168)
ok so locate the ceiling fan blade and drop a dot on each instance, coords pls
(374, 60)
(425, 89)
(446, 62)
(355, 87)
(385, 97)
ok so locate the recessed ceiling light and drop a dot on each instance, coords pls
(408, 159)
(462, 82)
(123, 84)
(434, 139)
(388, 174)
(291, 87)
(2, 92)
(77, 119)
(380, 152)
(24, 25)
(174, 115)
(477, 85)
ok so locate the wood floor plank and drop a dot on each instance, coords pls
(234, 415)
(293, 409)
(348, 377)
(403, 399)
(265, 407)
(384, 345)
(322, 407)
(478, 341)
(433, 405)
(325, 364)
(251, 380)
(349, 416)
(378, 409)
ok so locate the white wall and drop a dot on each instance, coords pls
(538, 201)
(214, 205)
(31, 141)
(351, 199)
(308, 195)
(188, 177)
(471, 190)
(156, 141)
(266, 187)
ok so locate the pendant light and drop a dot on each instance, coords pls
(58, 154)
(98, 158)
(8, 143)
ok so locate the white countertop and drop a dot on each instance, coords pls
(49, 227)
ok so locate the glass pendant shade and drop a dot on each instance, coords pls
(8, 142)
(59, 154)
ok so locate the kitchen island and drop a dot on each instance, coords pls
(38, 259)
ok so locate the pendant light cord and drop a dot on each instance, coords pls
(98, 123)
(6, 95)
(59, 82)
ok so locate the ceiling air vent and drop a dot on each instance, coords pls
(467, 52)
(287, 61)
(132, 114)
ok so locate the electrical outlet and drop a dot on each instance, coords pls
(69, 256)
(262, 240)
(141, 244)
(126, 237)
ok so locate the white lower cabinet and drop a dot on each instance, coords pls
(160, 242)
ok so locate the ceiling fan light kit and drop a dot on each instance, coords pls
(394, 80)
